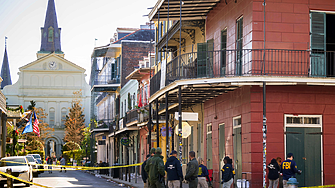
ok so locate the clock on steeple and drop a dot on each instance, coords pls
(52, 65)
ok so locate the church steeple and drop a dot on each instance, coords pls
(5, 72)
(50, 32)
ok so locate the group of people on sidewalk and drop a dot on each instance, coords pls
(53, 161)
(280, 172)
(197, 176)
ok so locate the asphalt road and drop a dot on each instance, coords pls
(70, 179)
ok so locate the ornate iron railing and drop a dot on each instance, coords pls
(246, 62)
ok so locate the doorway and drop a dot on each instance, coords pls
(222, 145)
(322, 44)
(304, 140)
(237, 141)
(209, 147)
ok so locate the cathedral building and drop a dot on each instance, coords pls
(50, 81)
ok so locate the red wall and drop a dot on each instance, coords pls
(280, 100)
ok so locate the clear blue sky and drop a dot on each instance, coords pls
(81, 21)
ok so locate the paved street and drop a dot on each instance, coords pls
(72, 179)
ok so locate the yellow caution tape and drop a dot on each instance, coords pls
(21, 180)
(319, 186)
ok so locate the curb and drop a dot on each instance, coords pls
(127, 184)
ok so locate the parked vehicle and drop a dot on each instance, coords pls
(39, 161)
(33, 163)
(20, 168)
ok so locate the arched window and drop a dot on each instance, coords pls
(63, 114)
(50, 34)
(52, 117)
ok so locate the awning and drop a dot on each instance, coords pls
(124, 129)
(191, 10)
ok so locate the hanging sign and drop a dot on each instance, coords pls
(187, 116)
(125, 141)
(163, 131)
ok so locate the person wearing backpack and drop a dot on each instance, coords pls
(174, 171)
(227, 173)
(273, 174)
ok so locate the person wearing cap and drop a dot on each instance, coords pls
(155, 170)
(289, 169)
(203, 174)
(144, 173)
(174, 171)
(192, 171)
(227, 173)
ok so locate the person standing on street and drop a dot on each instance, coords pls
(203, 174)
(278, 159)
(192, 171)
(273, 174)
(174, 171)
(144, 173)
(227, 173)
(62, 163)
(49, 162)
(289, 169)
(155, 170)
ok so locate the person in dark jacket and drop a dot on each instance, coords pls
(289, 169)
(227, 172)
(174, 171)
(155, 170)
(192, 171)
(273, 174)
(49, 162)
(278, 159)
(202, 174)
(144, 173)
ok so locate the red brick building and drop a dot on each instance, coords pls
(227, 72)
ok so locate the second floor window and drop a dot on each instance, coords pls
(63, 114)
(52, 117)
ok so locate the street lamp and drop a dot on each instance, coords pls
(114, 127)
(86, 153)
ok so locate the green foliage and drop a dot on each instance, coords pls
(32, 105)
(77, 154)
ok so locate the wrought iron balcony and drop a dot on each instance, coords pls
(132, 116)
(245, 62)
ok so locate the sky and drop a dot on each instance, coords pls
(81, 21)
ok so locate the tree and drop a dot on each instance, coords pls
(34, 141)
(75, 121)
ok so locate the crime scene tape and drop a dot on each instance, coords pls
(21, 180)
(320, 186)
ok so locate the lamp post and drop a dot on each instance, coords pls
(86, 153)
(114, 127)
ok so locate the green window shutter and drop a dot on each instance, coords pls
(210, 51)
(318, 44)
(201, 63)
(318, 31)
(223, 52)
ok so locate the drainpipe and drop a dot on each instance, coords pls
(264, 112)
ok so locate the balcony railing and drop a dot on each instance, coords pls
(106, 79)
(132, 116)
(246, 62)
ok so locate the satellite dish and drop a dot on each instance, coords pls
(186, 130)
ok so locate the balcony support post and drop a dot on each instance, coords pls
(149, 127)
(157, 124)
(167, 136)
(180, 128)
(264, 135)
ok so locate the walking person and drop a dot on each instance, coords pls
(273, 175)
(49, 162)
(62, 163)
(227, 173)
(155, 170)
(174, 171)
(203, 174)
(192, 171)
(144, 173)
(289, 169)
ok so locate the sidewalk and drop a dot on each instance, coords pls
(131, 184)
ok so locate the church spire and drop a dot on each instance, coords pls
(50, 32)
(5, 72)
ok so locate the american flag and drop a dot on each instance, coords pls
(35, 126)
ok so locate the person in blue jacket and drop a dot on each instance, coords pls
(203, 174)
(289, 169)
(228, 172)
(174, 171)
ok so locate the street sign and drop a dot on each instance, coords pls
(187, 116)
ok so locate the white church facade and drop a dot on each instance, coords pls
(50, 81)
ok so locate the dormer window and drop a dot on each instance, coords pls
(50, 34)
